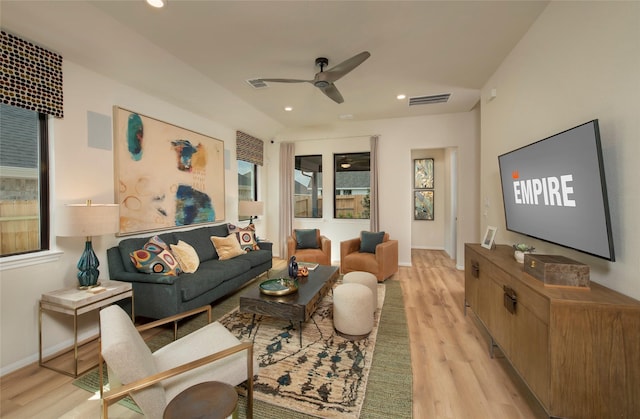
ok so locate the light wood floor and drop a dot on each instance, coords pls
(453, 375)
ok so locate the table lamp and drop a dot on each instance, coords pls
(87, 220)
(250, 209)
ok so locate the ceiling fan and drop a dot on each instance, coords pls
(323, 80)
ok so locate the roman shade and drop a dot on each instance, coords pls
(249, 149)
(31, 76)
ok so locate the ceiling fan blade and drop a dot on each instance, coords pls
(338, 71)
(286, 81)
(332, 92)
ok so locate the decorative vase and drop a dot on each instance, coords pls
(88, 272)
(519, 256)
(293, 267)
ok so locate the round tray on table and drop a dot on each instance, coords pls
(279, 286)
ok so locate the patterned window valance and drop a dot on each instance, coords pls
(31, 76)
(249, 149)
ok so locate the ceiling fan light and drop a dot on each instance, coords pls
(157, 3)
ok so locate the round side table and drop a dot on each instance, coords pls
(210, 400)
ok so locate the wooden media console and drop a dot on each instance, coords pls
(577, 349)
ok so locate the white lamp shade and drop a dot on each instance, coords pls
(78, 220)
(250, 208)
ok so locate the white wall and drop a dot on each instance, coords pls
(579, 61)
(79, 172)
(431, 234)
(397, 138)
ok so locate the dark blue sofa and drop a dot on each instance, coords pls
(158, 296)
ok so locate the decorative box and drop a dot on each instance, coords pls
(555, 270)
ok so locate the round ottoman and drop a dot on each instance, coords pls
(352, 310)
(364, 278)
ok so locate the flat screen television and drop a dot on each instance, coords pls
(555, 190)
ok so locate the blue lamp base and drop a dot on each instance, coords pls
(88, 272)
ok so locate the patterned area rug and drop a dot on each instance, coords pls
(326, 377)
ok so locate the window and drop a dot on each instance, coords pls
(24, 181)
(308, 187)
(247, 183)
(352, 185)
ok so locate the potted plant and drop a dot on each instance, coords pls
(520, 249)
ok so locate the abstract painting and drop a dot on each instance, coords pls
(423, 205)
(166, 176)
(423, 174)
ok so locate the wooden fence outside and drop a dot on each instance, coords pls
(19, 226)
(302, 206)
(347, 206)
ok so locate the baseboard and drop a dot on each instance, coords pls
(428, 247)
(46, 352)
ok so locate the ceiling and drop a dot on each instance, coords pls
(417, 48)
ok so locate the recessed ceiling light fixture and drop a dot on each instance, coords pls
(288, 108)
(401, 96)
(157, 3)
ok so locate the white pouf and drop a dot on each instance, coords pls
(364, 278)
(353, 310)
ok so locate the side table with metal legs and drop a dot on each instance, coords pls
(74, 302)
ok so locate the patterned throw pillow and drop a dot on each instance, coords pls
(155, 263)
(155, 245)
(227, 247)
(155, 258)
(186, 255)
(246, 237)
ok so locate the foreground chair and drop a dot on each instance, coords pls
(308, 245)
(154, 379)
(371, 252)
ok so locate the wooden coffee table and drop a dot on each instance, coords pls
(298, 306)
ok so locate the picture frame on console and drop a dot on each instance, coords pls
(489, 237)
(166, 176)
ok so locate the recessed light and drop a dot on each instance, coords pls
(401, 96)
(288, 108)
(157, 3)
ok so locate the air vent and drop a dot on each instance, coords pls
(428, 100)
(257, 83)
